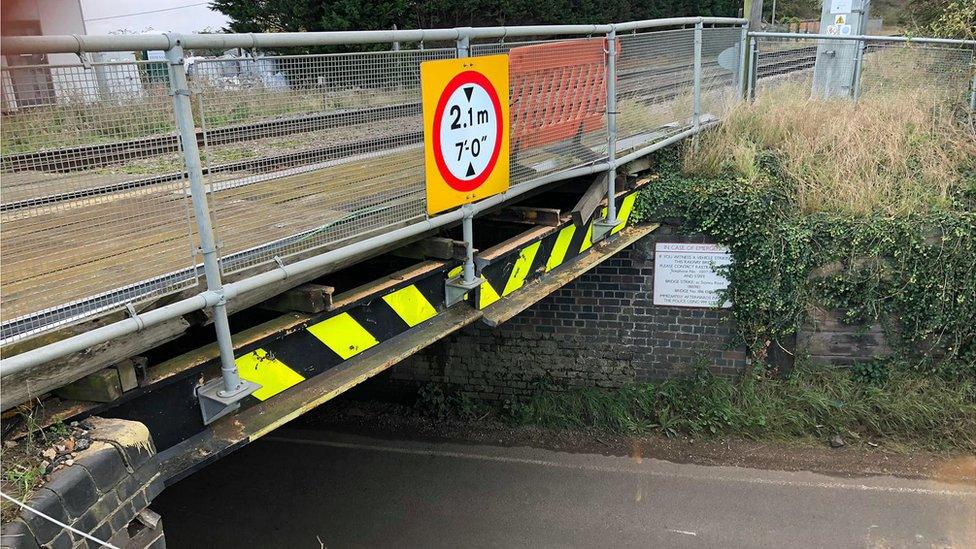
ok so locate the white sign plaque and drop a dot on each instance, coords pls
(684, 274)
(841, 6)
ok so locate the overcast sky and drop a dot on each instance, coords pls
(108, 16)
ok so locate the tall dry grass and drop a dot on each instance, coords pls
(894, 152)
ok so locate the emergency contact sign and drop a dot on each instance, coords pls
(465, 104)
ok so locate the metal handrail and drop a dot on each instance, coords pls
(90, 43)
(865, 38)
(217, 294)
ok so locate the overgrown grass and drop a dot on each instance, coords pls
(903, 409)
(897, 151)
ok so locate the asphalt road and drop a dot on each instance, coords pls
(299, 488)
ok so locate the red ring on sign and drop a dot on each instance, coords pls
(466, 77)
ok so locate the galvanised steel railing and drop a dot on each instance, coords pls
(123, 177)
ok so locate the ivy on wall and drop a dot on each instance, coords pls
(913, 274)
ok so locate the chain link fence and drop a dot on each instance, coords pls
(300, 153)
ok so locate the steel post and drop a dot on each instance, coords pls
(753, 59)
(456, 288)
(972, 85)
(603, 227)
(231, 388)
(858, 68)
(463, 44)
(744, 61)
(697, 85)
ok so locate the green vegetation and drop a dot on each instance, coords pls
(312, 15)
(875, 216)
(23, 467)
(903, 409)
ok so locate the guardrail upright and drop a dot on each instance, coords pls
(603, 227)
(219, 396)
(744, 61)
(753, 59)
(858, 69)
(456, 288)
(972, 85)
(696, 82)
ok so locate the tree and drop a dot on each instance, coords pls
(319, 15)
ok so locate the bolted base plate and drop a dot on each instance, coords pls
(602, 228)
(455, 289)
(214, 406)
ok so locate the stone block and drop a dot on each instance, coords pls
(104, 463)
(45, 501)
(76, 488)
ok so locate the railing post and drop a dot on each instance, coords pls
(456, 288)
(220, 396)
(463, 44)
(603, 227)
(744, 61)
(697, 85)
(753, 69)
(972, 85)
(858, 67)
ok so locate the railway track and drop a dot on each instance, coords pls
(665, 83)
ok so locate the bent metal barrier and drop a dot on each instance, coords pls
(127, 174)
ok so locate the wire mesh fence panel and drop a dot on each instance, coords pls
(557, 106)
(93, 202)
(936, 73)
(788, 64)
(308, 150)
(721, 65)
(655, 86)
(827, 69)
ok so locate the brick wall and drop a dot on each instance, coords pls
(600, 330)
(105, 493)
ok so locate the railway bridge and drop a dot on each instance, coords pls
(219, 244)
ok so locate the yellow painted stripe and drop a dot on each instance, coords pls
(521, 268)
(560, 248)
(488, 295)
(411, 305)
(626, 207)
(273, 375)
(346, 337)
(588, 238)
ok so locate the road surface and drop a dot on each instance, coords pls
(300, 488)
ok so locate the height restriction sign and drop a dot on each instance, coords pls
(465, 129)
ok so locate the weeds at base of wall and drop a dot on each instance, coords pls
(904, 409)
(880, 402)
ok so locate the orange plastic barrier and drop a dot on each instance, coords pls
(558, 91)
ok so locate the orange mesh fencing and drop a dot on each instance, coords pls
(558, 91)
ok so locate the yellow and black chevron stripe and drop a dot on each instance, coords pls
(508, 273)
(288, 357)
(334, 337)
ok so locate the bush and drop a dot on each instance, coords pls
(888, 243)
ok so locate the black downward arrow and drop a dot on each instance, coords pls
(470, 170)
(468, 91)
